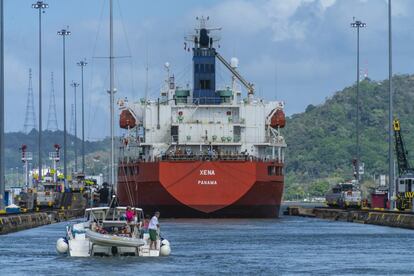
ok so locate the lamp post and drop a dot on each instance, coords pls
(82, 64)
(391, 181)
(111, 94)
(2, 159)
(357, 24)
(75, 85)
(40, 6)
(64, 33)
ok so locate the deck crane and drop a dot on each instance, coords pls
(249, 86)
(405, 180)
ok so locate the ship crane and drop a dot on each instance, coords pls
(249, 86)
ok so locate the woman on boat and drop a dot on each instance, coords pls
(129, 214)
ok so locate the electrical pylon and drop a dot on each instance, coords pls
(30, 117)
(52, 123)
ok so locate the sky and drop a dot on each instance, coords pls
(297, 51)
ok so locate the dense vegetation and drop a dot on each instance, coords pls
(321, 140)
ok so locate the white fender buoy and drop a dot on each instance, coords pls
(165, 249)
(61, 246)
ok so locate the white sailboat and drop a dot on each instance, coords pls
(105, 230)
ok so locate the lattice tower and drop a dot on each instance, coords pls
(52, 123)
(30, 117)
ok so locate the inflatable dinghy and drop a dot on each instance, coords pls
(113, 240)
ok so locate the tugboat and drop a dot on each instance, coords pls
(205, 151)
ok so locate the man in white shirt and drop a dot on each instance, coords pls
(153, 229)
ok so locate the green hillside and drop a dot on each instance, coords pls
(321, 140)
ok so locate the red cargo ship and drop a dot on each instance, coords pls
(203, 152)
(203, 188)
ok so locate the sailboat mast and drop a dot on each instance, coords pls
(111, 91)
(2, 159)
(146, 75)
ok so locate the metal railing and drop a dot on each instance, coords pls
(199, 157)
(203, 141)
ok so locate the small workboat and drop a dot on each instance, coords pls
(106, 232)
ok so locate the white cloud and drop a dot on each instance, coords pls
(247, 17)
(240, 15)
(281, 16)
(327, 3)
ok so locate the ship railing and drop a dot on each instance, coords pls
(203, 157)
(214, 157)
(231, 120)
(199, 157)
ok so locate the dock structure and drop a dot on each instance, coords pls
(17, 222)
(370, 216)
(71, 205)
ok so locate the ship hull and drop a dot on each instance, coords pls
(201, 189)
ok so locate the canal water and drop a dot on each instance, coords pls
(286, 246)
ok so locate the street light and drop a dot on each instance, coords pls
(357, 24)
(391, 176)
(75, 85)
(82, 64)
(40, 6)
(2, 155)
(64, 33)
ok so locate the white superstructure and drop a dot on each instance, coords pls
(204, 120)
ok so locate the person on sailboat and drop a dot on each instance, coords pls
(153, 228)
(129, 214)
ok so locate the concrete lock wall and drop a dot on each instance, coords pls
(392, 219)
(19, 222)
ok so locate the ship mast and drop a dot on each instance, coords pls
(111, 92)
